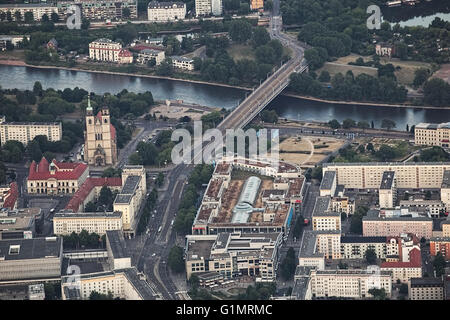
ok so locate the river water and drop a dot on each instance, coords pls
(292, 108)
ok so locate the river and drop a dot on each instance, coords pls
(213, 96)
(421, 14)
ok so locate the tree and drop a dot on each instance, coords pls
(126, 13)
(348, 123)
(269, 116)
(240, 31)
(386, 153)
(160, 179)
(175, 259)
(34, 150)
(436, 92)
(268, 5)
(17, 15)
(37, 89)
(334, 124)
(363, 124)
(324, 76)
(260, 37)
(105, 198)
(420, 76)
(100, 296)
(371, 256)
(90, 207)
(387, 124)
(135, 159)
(403, 289)
(54, 17)
(85, 23)
(29, 17)
(378, 294)
(439, 264)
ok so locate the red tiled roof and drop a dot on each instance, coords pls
(415, 261)
(125, 53)
(11, 197)
(64, 171)
(86, 188)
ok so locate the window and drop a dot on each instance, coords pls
(14, 249)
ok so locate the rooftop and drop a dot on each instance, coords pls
(437, 282)
(446, 179)
(60, 170)
(24, 249)
(359, 239)
(117, 244)
(387, 181)
(327, 180)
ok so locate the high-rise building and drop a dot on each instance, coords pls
(206, 7)
(100, 138)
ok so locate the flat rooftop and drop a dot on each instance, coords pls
(116, 243)
(131, 184)
(446, 179)
(387, 181)
(327, 180)
(24, 249)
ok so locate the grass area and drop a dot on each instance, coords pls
(404, 76)
(241, 51)
(243, 175)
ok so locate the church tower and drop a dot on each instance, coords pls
(100, 148)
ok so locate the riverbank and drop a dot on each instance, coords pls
(20, 63)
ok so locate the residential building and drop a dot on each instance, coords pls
(426, 288)
(349, 283)
(118, 257)
(256, 4)
(355, 247)
(56, 177)
(216, 7)
(100, 146)
(64, 223)
(52, 44)
(408, 175)
(234, 254)
(432, 134)
(446, 228)
(442, 245)
(26, 131)
(323, 218)
(38, 258)
(445, 189)
(202, 7)
(377, 225)
(166, 11)
(104, 50)
(125, 56)
(182, 63)
(129, 199)
(14, 40)
(145, 55)
(37, 9)
(387, 194)
(328, 184)
(101, 9)
(405, 270)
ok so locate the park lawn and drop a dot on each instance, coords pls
(241, 51)
(405, 75)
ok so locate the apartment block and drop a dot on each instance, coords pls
(350, 283)
(387, 193)
(37, 9)
(328, 184)
(101, 9)
(166, 11)
(104, 50)
(323, 218)
(426, 289)
(442, 245)
(129, 199)
(379, 226)
(432, 134)
(64, 223)
(145, 55)
(256, 4)
(405, 270)
(182, 63)
(26, 131)
(408, 175)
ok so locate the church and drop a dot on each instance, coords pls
(100, 147)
